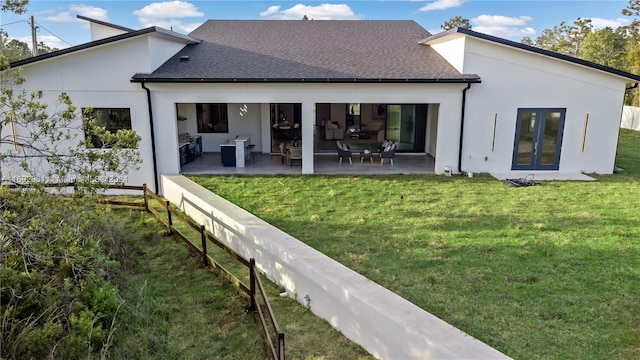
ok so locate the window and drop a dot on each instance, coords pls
(353, 114)
(354, 109)
(212, 118)
(112, 119)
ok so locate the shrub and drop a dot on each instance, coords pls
(54, 295)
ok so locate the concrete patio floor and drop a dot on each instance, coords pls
(543, 176)
(271, 164)
(327, 164)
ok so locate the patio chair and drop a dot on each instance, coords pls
(344, 152)
(388, 153)
(295, 154)
(284, 131)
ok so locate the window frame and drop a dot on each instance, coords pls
(219, 117)
(108, 124)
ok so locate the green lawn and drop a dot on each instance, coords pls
(550, 271)
(174, 308)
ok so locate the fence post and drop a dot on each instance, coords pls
(203, 237)
(169, 216)
(281, 345)
(252, 283)
(146, 200)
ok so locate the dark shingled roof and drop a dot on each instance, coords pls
(308, 50)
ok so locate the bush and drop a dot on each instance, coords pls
(55, 297)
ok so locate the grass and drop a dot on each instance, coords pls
(174, 308)
(550, 271)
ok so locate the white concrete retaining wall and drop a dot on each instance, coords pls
(383, 323)
(631, 118)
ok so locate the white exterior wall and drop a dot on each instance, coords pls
(255, 122)
(512, 79)
(99, 31)
(432, 130)
(452, 49)
(160, 50)
(100, 77)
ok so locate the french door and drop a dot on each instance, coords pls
(538, 139)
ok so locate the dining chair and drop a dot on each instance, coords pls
(295, 153)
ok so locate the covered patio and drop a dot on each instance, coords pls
(271, 164)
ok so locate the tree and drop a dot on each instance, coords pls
(13, 49)
(15, 6)
(457, 21)
(55, 299)
(565, 39)
(633, 9)
(54, 296)
(606, 47)
(633, 48)
(57, 147)
(527, 41)
(54, 146)
(633, 29)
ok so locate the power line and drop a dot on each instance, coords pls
(58, 37)
(15, 22)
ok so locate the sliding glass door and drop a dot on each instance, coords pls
(406, 126)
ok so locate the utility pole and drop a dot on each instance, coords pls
(33, 37)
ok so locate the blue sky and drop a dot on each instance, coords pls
(511, 19)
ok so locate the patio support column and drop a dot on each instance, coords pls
(307, 137)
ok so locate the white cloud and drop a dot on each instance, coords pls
(503, 26)
(320, 12)
(64, 16)
(90, 12)
(84, 10)
(612, 23)
(270, 11)
(442, 5)
(499, 20)
(168, 9)
(506, 32)
(168, 15)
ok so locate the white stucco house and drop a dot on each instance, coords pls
(473, 102)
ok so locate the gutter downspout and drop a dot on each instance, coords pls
(153, 139)
(464, 104)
